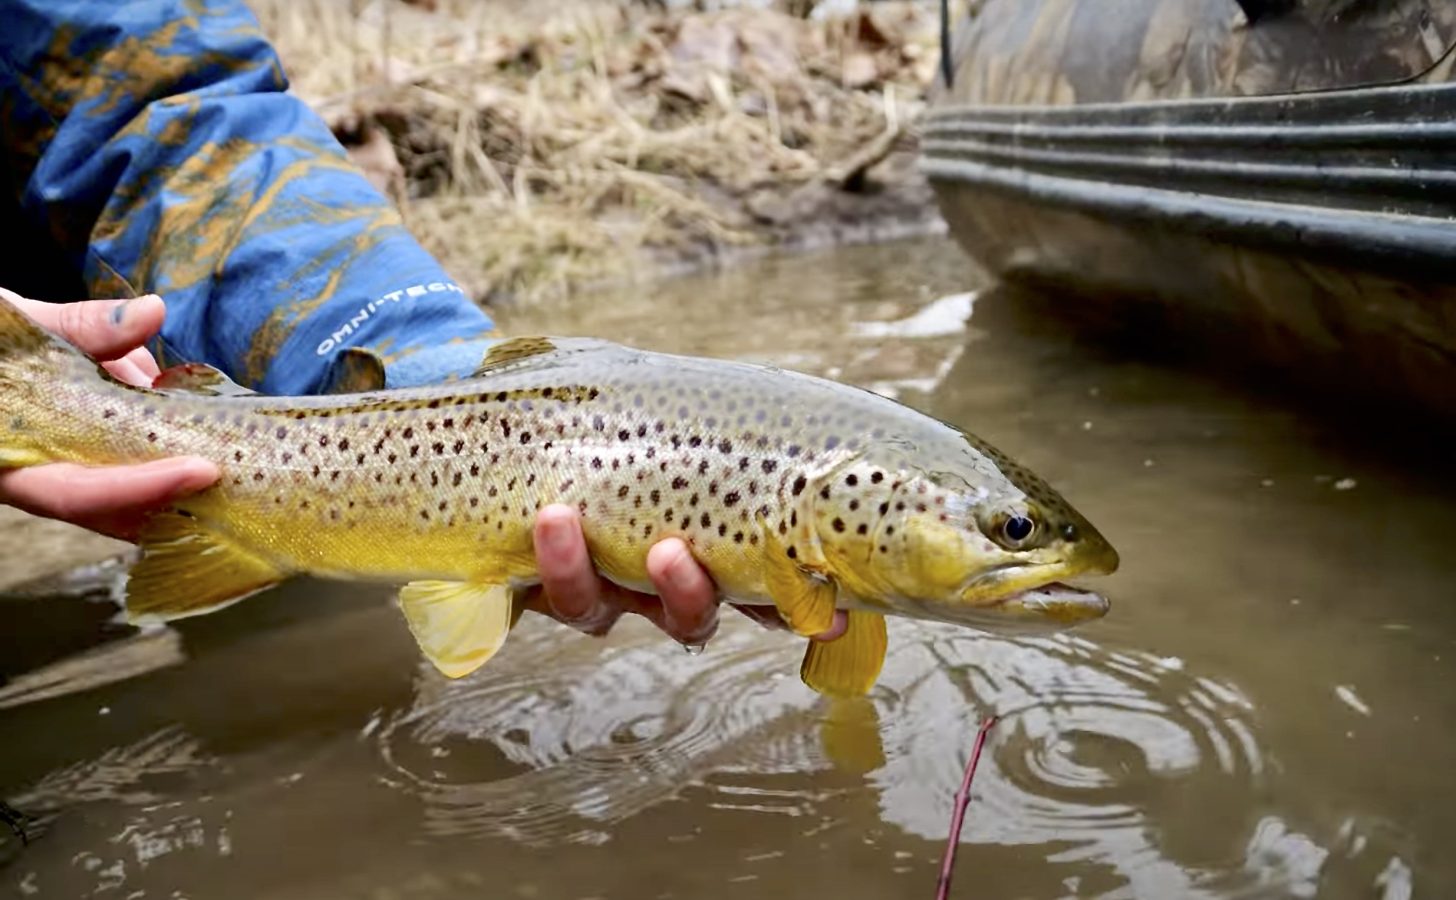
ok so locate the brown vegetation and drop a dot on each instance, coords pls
(539, 149)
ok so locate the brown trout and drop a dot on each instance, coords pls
(789, 489)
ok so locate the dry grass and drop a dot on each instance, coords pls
(537, 148)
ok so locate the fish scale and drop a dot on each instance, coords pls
(788, 489)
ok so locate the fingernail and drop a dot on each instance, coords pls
(681, 573)
(556, 534)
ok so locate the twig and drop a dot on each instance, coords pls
(958, 815)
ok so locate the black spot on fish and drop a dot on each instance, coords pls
(237, 456)
(622, 492)
(743, 464)
(792, 553)
(794, 517)
(257, 476)
(695, 441)
(799, 484)
(455, 479)
(725, 446)
(792, 450)
(598, 423)
(343, 444)
(460, 445)
(730, 498)
(769, 465)
(438, 447)
(851, 479)
(414, 450)
(407, 433)
(712, 489)
(679, 483)
(474, 469)
(642, 430)
(853, 505)
(623, 435)
(824, 492)
(838, 524)
(316, 471)
(737, 537)
(281, 433)
(655, 496)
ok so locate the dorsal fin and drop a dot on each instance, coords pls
(512, 350)
(198, 378)
(533, 349)
(357, 371)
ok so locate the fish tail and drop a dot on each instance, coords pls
(32, 363)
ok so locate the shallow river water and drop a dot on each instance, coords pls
(1266, 712)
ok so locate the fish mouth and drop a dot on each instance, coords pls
(1054, 604)
(1032, 595)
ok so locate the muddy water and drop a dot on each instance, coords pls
(1266, 712)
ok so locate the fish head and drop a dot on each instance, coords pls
(978, 540)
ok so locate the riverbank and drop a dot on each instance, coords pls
(538, 151)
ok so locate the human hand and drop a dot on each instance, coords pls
(686, 607)
(112, 500)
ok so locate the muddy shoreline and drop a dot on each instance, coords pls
(543, 151)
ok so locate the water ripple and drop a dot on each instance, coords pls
(1118, 759)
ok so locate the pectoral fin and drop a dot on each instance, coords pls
(848, 665)
(459, 625)
(804, 602)
(187, 570)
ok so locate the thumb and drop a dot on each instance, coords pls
(105, 329)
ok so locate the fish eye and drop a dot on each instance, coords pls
(1017, 529)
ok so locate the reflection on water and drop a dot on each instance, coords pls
(1092, 747)
(1261, 715)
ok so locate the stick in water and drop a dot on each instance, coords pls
(958, 815)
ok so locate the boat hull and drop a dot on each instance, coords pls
(1307, 213)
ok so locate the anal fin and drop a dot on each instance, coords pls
(188, 570)
(848, 665)
(459, 625)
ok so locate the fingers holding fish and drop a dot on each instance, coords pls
(112, 331)
(573, 593)
(112, 500)
(689, 599)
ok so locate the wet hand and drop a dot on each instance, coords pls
(686, 604)
(111, 500)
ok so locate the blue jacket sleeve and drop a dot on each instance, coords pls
(153, 143)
